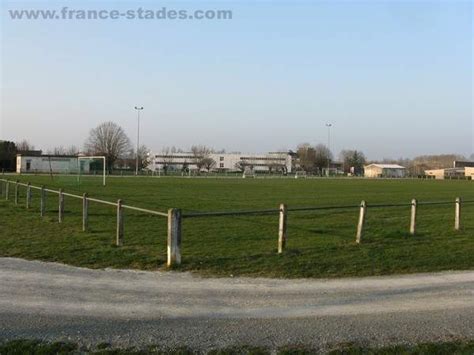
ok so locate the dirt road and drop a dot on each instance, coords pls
(133, 308)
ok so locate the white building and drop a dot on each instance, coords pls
(272, 162)
(384, 171)
(451, 173)
(56, 164)
(469, 172)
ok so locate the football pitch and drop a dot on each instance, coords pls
(320, 243)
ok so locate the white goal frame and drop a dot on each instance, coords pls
(91, 157)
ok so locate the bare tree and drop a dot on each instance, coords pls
(306, 157)
(276, 162)
(208, 163)
(110, 140)
(201, 155)
(71, 150)
(437, 161)
(143, 156)
(313, 159)
(241, 165)
(24, 146)
(323, 157)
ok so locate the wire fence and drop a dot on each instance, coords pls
(11, 190)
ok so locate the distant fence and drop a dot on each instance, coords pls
(175, 215)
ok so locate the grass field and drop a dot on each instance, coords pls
(320, 244)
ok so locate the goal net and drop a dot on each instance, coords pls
(91, 166)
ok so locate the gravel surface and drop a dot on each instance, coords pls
(135, 308)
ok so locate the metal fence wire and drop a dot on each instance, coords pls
(45, 202)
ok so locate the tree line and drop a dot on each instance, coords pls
(110, 140)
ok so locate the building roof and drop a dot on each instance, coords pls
(446, 170)
(46, 156)
(463, 164)
(386, 166)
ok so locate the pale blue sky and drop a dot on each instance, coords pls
(394, 77)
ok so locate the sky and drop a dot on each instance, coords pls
(394, 78)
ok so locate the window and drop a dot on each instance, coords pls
(221, 165)
(221, 158)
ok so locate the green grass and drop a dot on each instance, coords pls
(320, 244)
(35, 347)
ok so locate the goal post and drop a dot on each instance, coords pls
(92, 158)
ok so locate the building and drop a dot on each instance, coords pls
(469, 172)
(463, 164)
(384, 171)
(277, 162)
(56, 164)
(451, 173)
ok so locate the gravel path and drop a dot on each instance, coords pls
(135, 308)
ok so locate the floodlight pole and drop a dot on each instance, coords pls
(329, 125)
(138, 136)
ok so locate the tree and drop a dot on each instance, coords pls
(8, 153)
(437, 161)
(108, 139)
(276, 162)
(241, 165)
(353, 161)
(24, 146)
(71, 150)
(306, 157)
(208, 163)
(313, 159)
(143, 157)
(201, 155)
(323, 157)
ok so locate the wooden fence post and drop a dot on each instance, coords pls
(1, 187)
(414, 204)
(457, 216)
(28, 196)
(282, 228)
(42, 201)
(174, 237)
(61, 206)
(119, 241)
(360, 225)
(7, 190)
(17, 192)
(85, 212)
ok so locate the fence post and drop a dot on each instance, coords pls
(174, 237)
(7, 190)
(360, 225)
(282, 228)
(85, 212)
(42, 201)
(457, 217)
(61, 206)
(28, 196)
(414, 204)
(119, 241)
(17, 192)
(1, 188)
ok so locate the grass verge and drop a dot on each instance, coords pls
(45, 348)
